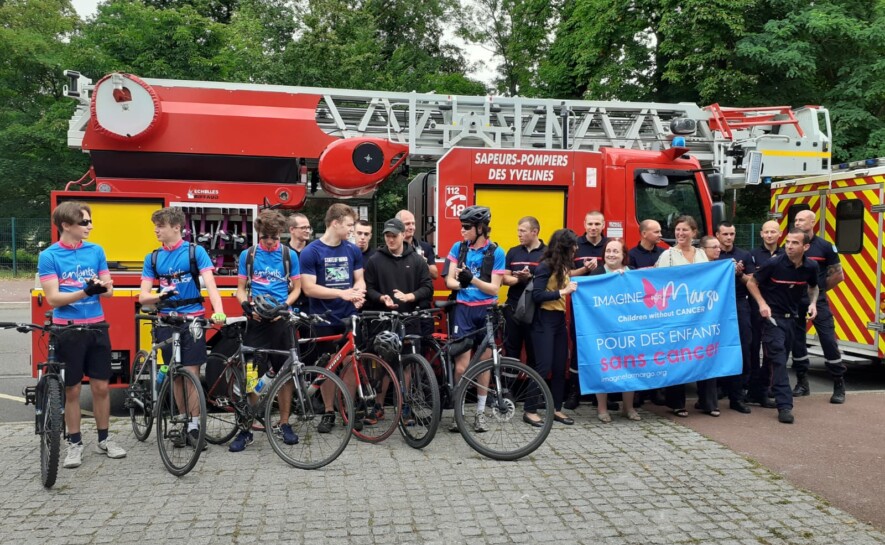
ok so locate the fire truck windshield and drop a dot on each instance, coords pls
(664, 202)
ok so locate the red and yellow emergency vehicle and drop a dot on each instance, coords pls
(850, 205)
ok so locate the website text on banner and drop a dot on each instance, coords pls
(656, 327)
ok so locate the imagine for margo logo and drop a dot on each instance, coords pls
(660, 298)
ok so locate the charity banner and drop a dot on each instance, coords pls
(652, 328)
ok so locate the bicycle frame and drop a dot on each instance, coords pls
(349, 349)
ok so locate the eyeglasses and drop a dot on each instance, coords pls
(466, 227)
(84, 223)
(269, 237)
(303, 228)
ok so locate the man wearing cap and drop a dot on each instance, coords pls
(397, 278)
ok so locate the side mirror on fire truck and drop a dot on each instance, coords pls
(716, 185)
(718, 213)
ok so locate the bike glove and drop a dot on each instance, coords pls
(464, 277)
(94, 288)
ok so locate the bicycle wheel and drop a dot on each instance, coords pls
(53, 424)
(379, 414)
(222, 397)
(178, 449)
(421, 403)
(507, 437)
(313, 449)
(138, 396)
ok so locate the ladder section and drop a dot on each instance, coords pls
(432, 124)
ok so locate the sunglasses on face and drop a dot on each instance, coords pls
(84, 223)
(466, 227)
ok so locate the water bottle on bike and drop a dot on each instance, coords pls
(264, 381)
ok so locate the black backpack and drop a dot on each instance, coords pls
(488, 263)
(195, 277)
(250, 259)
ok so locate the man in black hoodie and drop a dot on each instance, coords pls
(396, 276)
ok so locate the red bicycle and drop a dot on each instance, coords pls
(375, 417)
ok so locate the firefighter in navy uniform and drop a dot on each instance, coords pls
(779, 287)
(760, 368)
(743, 270)
(830, 275)
(520, 263)
(645, 254)
(591, 247)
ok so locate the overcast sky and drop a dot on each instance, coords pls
(86, 8)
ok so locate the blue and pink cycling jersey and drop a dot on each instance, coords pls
(471, 295)
(269, 272)
(73, 267)
(174, 269)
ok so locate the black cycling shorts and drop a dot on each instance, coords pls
(85, 353)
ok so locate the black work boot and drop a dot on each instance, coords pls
(785, 416)
(802, 389)
(838, 396)
(573, 399)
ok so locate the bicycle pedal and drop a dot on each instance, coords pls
(30, 395)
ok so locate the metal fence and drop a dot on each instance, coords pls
(21, 240)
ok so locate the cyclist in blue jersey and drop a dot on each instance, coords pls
(266, 277)
(74, 274)
(179, 292)
(332, 279)
(476, 273)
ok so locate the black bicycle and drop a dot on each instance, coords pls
(172, 399)
(230, 409)
(497, 431)
(48, 395)
(420, 416)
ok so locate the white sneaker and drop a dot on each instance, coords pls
(109, 447)
(479, 423)
(73, 455)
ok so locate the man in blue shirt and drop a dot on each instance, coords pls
(477, 289)
(332, 279)
(267, 277)
(180, 292)
(74, 274)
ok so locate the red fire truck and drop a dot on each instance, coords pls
(223, 151)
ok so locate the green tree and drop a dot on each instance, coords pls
(413, 51)
(830, 52)
(134, 37)
(517, 33)
(33, 112)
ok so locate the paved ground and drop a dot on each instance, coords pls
(654, 482)
(838, 451)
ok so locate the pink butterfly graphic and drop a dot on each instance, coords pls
(654, 298)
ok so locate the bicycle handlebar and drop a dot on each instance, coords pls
(170, 320)
(23, 327)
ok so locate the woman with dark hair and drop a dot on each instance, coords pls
(683, 253)
(614, 261)
(551, 285)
